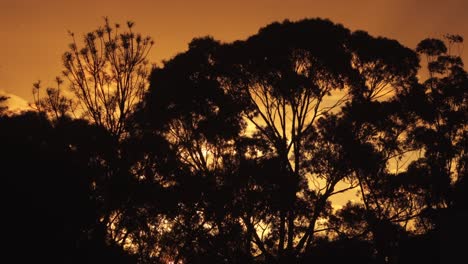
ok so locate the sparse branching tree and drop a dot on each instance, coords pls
(53, 103)
(108, 73)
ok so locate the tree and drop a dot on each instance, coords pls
(108, 74)
(237, 149)
(51, 210)
(54, 104)
(372, 130)
(293, 80)
(286, 88)
(258, 120)
(187, 108)
(440, 108)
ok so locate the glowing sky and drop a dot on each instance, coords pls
(34, 32)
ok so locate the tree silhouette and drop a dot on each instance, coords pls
(442, 114)
(284, 86)
(440, 107)
(54, 104)
(108, 74)
(236, 150)
(372, 131)
(51, 212)
(199, 128)
(286, 131)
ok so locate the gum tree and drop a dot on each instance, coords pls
(108, 73)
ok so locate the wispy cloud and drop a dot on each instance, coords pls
(15, 103)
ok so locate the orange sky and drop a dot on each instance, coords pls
(34, 32)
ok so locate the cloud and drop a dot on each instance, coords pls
(14, 103)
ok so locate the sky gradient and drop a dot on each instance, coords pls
(34, 32)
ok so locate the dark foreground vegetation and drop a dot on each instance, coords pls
(234, 152)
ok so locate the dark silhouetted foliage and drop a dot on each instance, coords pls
(50, 210)
(236, 152)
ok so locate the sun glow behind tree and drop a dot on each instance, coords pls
(237, 150)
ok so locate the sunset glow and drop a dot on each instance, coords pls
(35, 32)
(256, 132)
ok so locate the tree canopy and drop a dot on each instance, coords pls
(236, 152)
